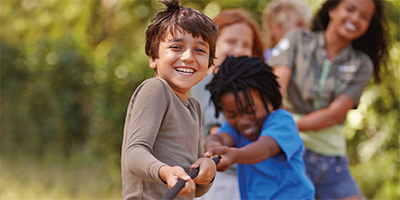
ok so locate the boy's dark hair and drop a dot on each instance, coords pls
(240, 74)
(174, 17)
(375, 42)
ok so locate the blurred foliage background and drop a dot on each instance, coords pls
(69, 68)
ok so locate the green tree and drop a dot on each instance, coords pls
(69, 68)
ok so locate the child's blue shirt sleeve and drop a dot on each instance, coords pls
(281, 126)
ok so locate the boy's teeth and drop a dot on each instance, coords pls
(184, 70)
(350, 26)
(249, 130)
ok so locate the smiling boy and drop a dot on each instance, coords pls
(259, 136)
(182, 61)
(162, 133)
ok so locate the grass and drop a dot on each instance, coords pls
(85, 176)
(23, 177)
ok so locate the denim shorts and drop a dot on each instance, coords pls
(331, 176)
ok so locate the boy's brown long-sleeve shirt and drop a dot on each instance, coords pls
(160, 129)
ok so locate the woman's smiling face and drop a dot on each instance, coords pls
(250, 121)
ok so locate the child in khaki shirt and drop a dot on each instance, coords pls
(323, 74)
(162, 133)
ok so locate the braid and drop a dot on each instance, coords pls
(239, 74)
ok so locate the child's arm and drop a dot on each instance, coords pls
(323, 118)
(144, 118)
(203, 177)
(265, 147)
(220, 139)
(326, 117)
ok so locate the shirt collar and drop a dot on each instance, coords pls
(343, 54)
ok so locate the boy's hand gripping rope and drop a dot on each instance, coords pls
(181, 183)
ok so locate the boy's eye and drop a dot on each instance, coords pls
(175, 47)
(200, 50)
(350, 8)
(230, 116)
(249, 111)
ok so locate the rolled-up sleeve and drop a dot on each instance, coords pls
(360, 80)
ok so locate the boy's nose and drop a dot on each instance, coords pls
(244, 121)
(187, 56)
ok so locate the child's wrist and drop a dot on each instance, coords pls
(236, 155)
(162, 173)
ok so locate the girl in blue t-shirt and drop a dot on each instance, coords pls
(259, 136)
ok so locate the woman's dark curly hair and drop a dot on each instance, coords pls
(240, 74)
(375, 42)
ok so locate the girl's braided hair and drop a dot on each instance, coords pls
(240, 74)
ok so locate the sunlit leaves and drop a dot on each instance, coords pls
(69, 68)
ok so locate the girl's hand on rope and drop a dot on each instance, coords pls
(207, 169)
(227, 156)
(171, 175)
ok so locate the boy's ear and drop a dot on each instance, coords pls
(152, 63)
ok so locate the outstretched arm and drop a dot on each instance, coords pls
(323, 118)
(326, 117)
(220, 139)
(265, 147)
